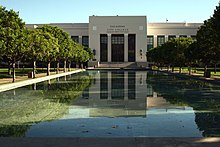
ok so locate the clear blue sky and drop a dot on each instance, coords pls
(77, 11)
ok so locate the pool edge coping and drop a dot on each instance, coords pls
(109, 142)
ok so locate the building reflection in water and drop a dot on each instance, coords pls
(123, 93)
(117, 93)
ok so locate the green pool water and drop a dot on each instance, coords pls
(113, 103)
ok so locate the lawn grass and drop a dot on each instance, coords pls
(197, 70)
(22, 74)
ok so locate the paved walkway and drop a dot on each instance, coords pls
(5, 87)
(110, 142)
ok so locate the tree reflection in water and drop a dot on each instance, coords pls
(202, 96)
(46, 102)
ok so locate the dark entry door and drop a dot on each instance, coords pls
(117, 47)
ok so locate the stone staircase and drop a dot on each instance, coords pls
(118, 65)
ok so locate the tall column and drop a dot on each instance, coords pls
(109, 86)
(166, 38)
(109, 48)
(155, 40)
(80, 39)
(126, 86)
(125, 47)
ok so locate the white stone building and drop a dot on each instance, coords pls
(124, 39)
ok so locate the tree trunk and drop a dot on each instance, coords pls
(215, 69)
(9, 68)
(190, 70)
(49, 84)
(18, 64)
(64, 68)
(207, 73)
(180, 69)
(172, 68)
(205, 69)
(58, 66)
(80, 65)
(34, 69)
(13, 67)
(34, 86)
(69, 66)
(48, 68)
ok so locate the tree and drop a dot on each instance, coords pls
(13, 37)
(63, 41)
(80, 55)
(90, 53)
(171, 53)
(208, 39)
(180, 47)
(215, 19)
(38, 46)
(191, 54)
(52, 45)
(68, 53)
(206, 43)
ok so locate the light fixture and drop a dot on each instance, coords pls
(141, 52)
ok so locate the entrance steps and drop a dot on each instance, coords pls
(118, 65)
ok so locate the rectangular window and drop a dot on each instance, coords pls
(117, 85)
(160, 40)
(118, 40)
(104, 85)
(75, 38)
(131, 85)
(85, 41)
(193, 37)
(103, 47)
(131, 47)
(184, 36)
(150, 42)
(171, 37)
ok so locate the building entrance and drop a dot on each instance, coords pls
(117, 41)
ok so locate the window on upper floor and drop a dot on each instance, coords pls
(85, 41)
(184, 36)
(171, 37)
(193, 37)
(75, 38)
(150, 42)
(160, 40)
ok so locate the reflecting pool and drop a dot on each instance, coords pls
(112, 104)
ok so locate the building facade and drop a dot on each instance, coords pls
(120, 39)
